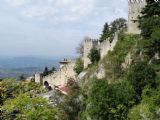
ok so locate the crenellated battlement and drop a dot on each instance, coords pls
(89, 40)
(88, 44)
(136, 1)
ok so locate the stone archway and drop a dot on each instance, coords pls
(46, 84)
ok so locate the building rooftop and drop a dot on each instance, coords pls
(65, 61)
(63, 89)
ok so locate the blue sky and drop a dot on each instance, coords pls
(53, 27)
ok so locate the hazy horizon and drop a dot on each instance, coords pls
(38, 56)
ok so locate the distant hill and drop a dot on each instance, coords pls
(14, 67)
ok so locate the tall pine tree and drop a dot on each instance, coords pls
(46, 71)
(105, 33)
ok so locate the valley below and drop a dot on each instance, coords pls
(26, 66)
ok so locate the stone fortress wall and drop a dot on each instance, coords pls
(104, 48)
(134, 10)
(107, 46)
(66, 70)
(88, 44)
(59, 77)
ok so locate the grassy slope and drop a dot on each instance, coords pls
(113, 61)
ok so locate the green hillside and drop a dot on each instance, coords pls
(129, 87)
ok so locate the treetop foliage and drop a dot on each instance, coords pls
(79, 66)
(105, 33)
(108, 32)
(94, 55)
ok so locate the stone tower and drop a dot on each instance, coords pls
(38, 78)
(134, 10)
(88, 44)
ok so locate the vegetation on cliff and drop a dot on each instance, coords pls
(131, 86)
(108, 32)
(129, 90)
(94, 55)
(79, 66)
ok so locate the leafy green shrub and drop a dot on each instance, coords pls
(35, 108)
(149, 107)
(94, 55)
(79, 66)
(108, 101)
(10, 88)
(150, 18)
(141, 74)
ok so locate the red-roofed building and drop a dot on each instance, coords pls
(63, 89)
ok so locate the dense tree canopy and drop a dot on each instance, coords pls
(108, 102)
(141, 75)
(118, 24)
(26, 107)
(148, 109)
(19, 101)
(150, 26)
(150, 18)
(108, 32)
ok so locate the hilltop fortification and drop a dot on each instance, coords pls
(103, 47)
(60, 77)
(66, 70)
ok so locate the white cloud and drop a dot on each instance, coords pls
(17, 2)
(91, 13)
(70, 11)
(54, 24)
(59, 10)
